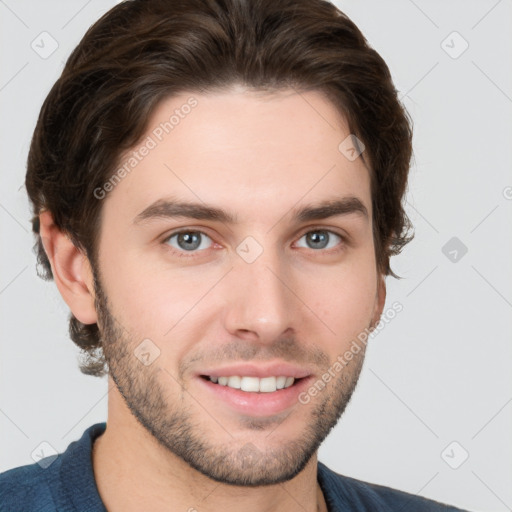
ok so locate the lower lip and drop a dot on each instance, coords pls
(257, 404)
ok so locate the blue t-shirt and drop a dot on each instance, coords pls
(66, 484)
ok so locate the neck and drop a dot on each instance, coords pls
(134, 472)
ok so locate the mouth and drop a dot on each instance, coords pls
(253, 396)
(250, 384)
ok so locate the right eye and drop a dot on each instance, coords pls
(186, 241)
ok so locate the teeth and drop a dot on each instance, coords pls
(255, 384)
(250, 384)
(235, 382)
(280, 382)
(268, 384)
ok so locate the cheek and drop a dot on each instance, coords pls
(152, 300)
(158, 301)
(344, 300)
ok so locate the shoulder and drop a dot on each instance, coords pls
(60, 482)
(343, 492)
(27, 488)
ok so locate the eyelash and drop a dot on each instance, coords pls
(193, 254)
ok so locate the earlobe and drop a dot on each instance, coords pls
(71, 270)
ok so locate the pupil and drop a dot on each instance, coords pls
(316, 237)
(187, 238)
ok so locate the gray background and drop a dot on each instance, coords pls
(438, 373)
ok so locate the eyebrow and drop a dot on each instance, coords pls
(169, 209)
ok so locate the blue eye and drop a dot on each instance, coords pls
(187, 241)
(320, 239)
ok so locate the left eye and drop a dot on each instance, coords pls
(320, 238)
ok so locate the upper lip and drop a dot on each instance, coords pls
(277, 369)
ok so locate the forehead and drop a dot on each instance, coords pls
(251, 153)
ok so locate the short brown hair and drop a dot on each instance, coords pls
(143, 51)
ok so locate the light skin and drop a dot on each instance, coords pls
(169, 444)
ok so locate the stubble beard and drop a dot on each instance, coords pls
(176, 429)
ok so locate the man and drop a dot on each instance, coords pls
(217, 190)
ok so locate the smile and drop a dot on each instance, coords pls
(254, 384)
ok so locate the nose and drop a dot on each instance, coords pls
(261, 304)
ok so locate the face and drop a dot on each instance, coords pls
(243, 285)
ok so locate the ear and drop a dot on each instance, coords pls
(380, 300)
(71, 270)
